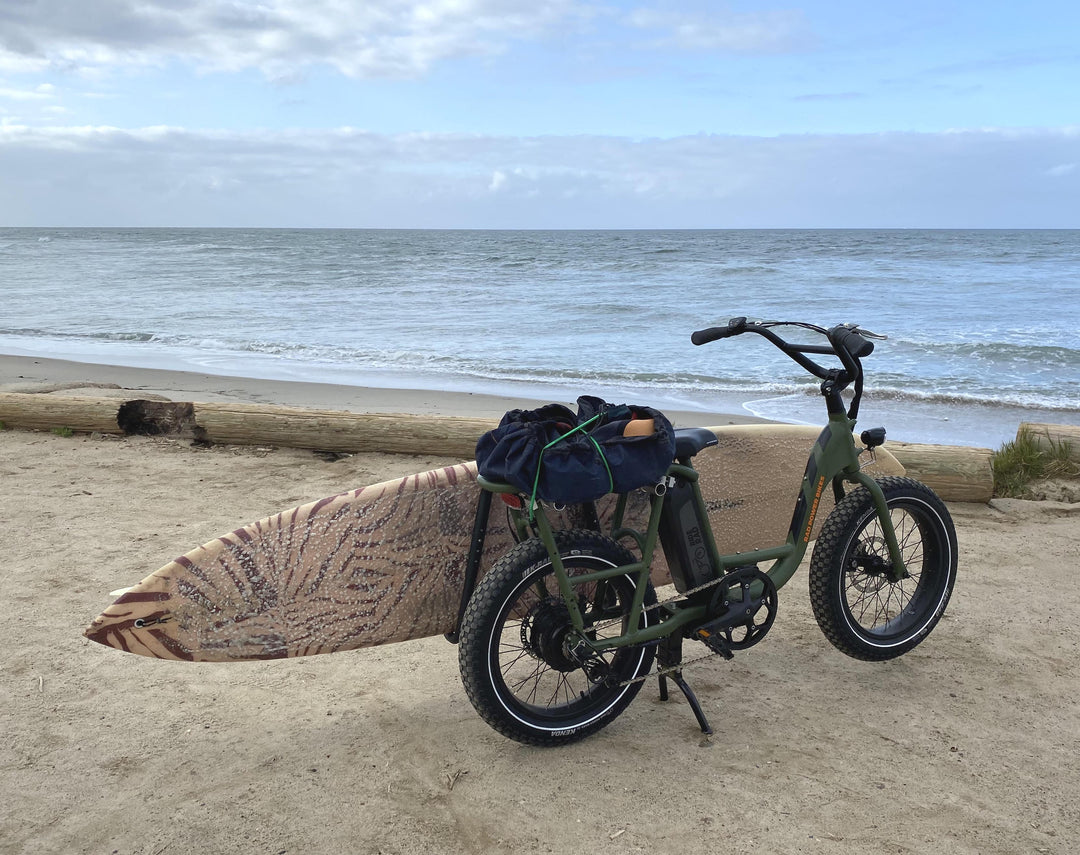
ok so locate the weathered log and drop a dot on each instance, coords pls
(957, 473)
(156, 418)
(1048, 436)
(45, 412)
(333, 430)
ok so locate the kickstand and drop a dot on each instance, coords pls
(669, 654)
(691, 699)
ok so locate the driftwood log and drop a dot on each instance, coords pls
(334, 430)
(956, 473)
(1048, 436)
(45, 412)
(248, 424)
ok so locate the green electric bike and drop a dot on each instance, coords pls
(557, 638)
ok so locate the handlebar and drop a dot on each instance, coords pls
(846, 341)
(734, 327)
(849, 339)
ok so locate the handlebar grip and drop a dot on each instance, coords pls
(734, 327)
(851, 341)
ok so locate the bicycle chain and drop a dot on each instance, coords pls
(671, 669)
(663, 672)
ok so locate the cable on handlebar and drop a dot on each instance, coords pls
(845, 342)
(849, 339)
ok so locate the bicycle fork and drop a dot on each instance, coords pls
(835, 458)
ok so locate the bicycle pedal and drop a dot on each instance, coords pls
(713, 641)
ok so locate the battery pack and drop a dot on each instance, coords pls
(682, 536)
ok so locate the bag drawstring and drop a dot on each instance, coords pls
(540, 461)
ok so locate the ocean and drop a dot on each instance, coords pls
(983, 326)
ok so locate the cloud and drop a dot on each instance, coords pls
(830, 96)
(715, 29)
(42, 92)
(360, 38)
(349, 178)
(1009, 61)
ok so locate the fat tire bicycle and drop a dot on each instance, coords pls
(556, 640)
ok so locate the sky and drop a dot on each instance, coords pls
(540, 114)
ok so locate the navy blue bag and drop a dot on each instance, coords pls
(552, 454)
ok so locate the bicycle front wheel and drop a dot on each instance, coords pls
(516, 665)
(858, 606)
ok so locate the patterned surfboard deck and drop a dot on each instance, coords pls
(386, 563)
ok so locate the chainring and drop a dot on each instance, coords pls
(741, 619)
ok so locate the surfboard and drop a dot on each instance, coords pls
(386, 563)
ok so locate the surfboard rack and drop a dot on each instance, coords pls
(589, 518)
(472, 564)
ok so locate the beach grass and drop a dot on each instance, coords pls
(1020, 464)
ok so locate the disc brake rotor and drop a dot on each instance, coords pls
(870, 572)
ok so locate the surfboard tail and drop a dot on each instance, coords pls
(136, 623)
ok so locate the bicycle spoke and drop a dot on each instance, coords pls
(874, 601)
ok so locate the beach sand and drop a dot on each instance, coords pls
(967, 744)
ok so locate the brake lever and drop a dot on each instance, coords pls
(866, 333)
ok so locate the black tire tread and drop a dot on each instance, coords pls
(488, 598)
(830, 543)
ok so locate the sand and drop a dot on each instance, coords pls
(967, 744)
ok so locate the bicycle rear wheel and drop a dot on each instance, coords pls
(515, 664)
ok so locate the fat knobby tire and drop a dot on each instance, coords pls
(510, 624)
(860, 610)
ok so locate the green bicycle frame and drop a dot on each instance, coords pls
(833, 461)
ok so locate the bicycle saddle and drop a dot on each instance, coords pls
(689, 441)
